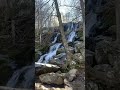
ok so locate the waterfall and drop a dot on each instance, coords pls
(71, 36)
(52, 52)
(55, 39)
(27, 75)
(72, 27)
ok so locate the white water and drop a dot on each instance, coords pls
(71, 36)
(53, 49)
(50, 54)
(28, 77)
(24, 77)
(55, 39)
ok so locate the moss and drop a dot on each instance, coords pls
(44, 49)
(80, 33)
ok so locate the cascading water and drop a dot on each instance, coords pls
(55, 39)
(71, 36)
(53, 49)
(24, 77)
(52, 52)
(27, 76)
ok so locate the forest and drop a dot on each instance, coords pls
(59, 45)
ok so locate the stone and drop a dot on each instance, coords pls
(52, 78)
(71, 75)
(78, 46)
(78, 57)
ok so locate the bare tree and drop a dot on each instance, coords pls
(42, 15)
(63, 33)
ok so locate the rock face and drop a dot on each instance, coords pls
(52, 78)
(100, 39)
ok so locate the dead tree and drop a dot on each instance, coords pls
(63, 34)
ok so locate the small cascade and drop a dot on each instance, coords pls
(69, 27)
(27, 76)
(71, 36)
(52, 52)
(55, 39)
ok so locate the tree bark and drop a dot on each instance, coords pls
(83, 18)
(63, 33)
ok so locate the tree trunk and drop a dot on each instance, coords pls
(117, 2)
(83, 18)
(63, 33)
(39, 32)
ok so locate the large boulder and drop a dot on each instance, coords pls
(52, 78)
(71, 75)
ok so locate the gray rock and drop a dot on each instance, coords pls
(71, 75)
(78, 57)
(52, 78)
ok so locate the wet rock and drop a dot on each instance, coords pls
(62, 50)
(59, 60)
(52, 78)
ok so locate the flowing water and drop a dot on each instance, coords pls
(53, 49)
(24, 77)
